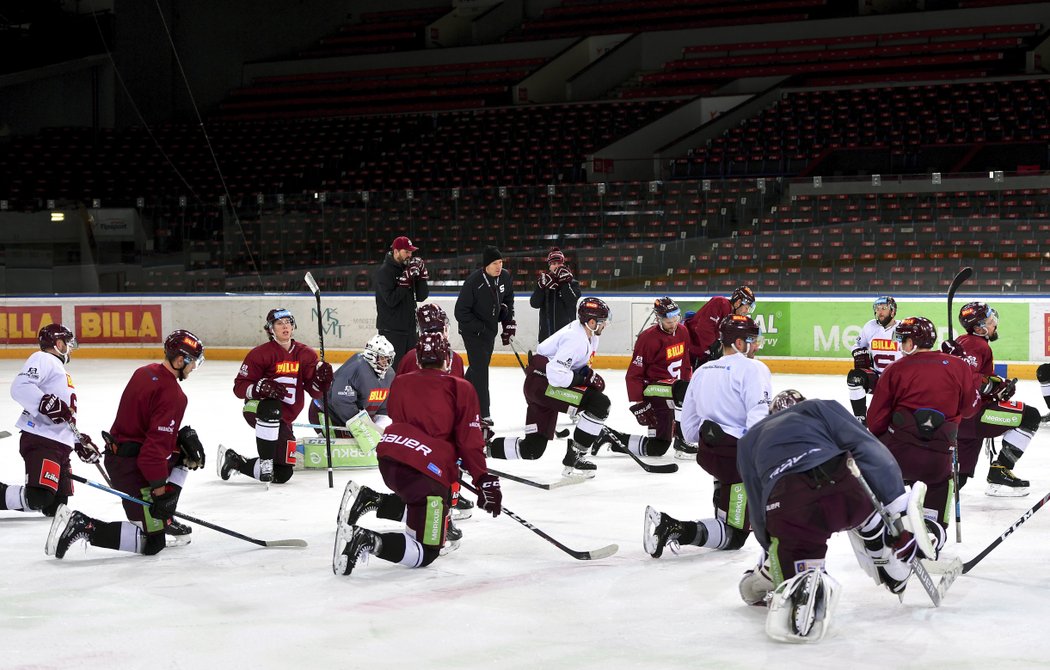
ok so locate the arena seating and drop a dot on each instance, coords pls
(378, 32)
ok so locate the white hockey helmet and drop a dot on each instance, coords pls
(379, 353)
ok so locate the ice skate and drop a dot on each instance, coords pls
(228, 462)
(266, 470)
(353, 544)
(177, 534)
(463, 510)
(1003, 483)
(661, 530)
(452, 537)
(357, 501)
(685, 451)
(575, 463)
(68, 527)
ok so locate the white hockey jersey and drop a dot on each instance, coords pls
(733, 391)
(567, 350)
(43, 374)
(879, 342)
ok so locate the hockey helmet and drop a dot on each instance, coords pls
(433, 348)
(184, 343)
(736, 326)
(430, 318)
(379, 353)
(275, 315)
(50, 334)
(920, 329)
(977, 314)
(593, 308)
(785, 399)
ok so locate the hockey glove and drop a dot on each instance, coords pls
(510, 329)
(86, 450)
(644, 414)
(163, 505)
(998, 389)
(55, 409)
(490, 497)
(417, 269)
(862, 359)
(322, 380)
(191, 451)
(265, 388)
(404, 280)
(586, 376)
(564, 275)
(547, 281)
(952, 348)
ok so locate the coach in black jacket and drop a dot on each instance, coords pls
(555, 296)
(401, 282)
(485, 301)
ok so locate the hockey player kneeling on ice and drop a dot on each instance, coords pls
(998, 414)
(725, 398)
(273, 381)
(435, 425)
(49, 407)
(873, 351)
(1042, 373)
(657, 378)
(916, 410)
(795, 468)
(558, 377)
(361, 383)
(148, 456)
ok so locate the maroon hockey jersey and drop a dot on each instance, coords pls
(150, 413)
(294, 369)
(657, 357)
(703, 327)
(435, 423)
(925, 379)
(978, 353)
(410, 364)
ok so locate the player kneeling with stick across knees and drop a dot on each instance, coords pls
(796, 470)
(435, 425)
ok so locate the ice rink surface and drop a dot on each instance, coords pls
(506, 598)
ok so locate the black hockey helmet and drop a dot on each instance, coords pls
(920, 329)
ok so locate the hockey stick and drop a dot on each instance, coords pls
(645, 324)
(603, 552)
(935, 591)
(968, 565)
(316, 290)
(963, 275)
(4, 433)
(661, 468)
(564, 481)
(193, 519)
(101, 470)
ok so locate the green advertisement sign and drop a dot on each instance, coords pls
(829, 329)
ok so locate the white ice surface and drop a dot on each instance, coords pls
(506, 598)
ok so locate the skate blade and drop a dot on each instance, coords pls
(1003, 491)
(176, 540)
(573, 473)
(461, 514)
(684, 456)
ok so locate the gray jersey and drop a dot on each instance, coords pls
(802, 437)
(356, 387)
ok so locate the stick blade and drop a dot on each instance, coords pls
(312, 283)
(4, 433)
(963, 275)
(285, 544)
(596, 554)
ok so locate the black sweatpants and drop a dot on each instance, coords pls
(479, 353)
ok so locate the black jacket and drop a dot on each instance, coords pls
(478, 305)
(557, 306)
(396, 305)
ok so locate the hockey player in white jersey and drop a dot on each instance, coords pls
(874, 349)
(724, 399)
(49, 406)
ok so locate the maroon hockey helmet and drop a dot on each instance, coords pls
(785, 399)
(275, 315)
(430, 318)
(593, 308)
(975, 315)
(736, 326)
(666, 308)
(184, 343)
(744, 294)
(920, 329)
(50, 334)
(433, 348)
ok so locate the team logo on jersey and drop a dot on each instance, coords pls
(883, 345)
(638, 361)
(288, 368)
(49, 474)
(378, 395)
(675, 351)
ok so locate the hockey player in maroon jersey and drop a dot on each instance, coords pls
(148, 455)
(436, 424)
(430, 318)
(705, 344)
(272, 381)
(49, 406)
(916, 410)
(657, 379)
(998, 415)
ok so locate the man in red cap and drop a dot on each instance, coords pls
(555, 295)
(401, 282)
